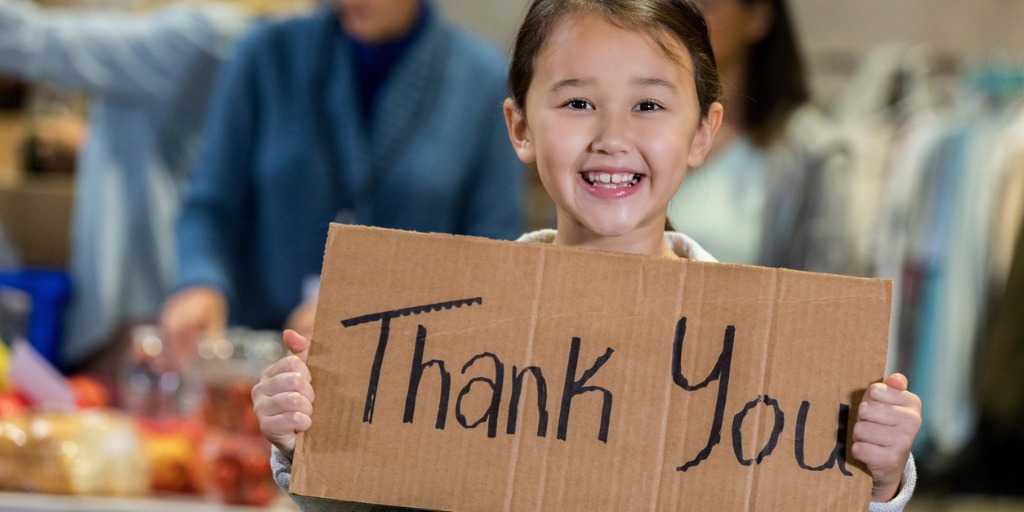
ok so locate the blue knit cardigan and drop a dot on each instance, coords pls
(287, 152)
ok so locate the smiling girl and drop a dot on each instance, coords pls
(614, 101)
(613, 109)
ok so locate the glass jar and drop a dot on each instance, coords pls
(154, 386)
(238, 454)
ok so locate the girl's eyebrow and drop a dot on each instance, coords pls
(656, 82)
(580, 82)
(571, 82)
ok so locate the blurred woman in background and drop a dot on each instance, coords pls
(765, 195)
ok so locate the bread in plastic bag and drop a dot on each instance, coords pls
(88, 452)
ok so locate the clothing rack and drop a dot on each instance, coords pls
(946, 167)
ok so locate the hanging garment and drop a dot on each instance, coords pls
(1000, 376)
(867, 125)
(1000, 371)
(1008, 209)
(899, 210)
(956, 288)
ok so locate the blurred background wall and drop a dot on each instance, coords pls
(835, 35)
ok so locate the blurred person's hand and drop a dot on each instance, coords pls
(301, 318)
(192, 314)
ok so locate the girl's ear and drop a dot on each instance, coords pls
(519, 132)
(705, 136)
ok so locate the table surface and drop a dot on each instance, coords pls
(18, 501)
(12, 129)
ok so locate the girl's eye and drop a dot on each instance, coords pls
(579, 104)
(647, 106)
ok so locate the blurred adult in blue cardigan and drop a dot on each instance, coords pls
(376, 112)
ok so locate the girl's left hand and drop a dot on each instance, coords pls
(888, 420)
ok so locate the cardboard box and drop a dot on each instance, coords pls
(455, 373)
(36, 215)
(35, 210)
(12, 129)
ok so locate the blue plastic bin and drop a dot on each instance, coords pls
(50, 291)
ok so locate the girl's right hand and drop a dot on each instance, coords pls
(283, 398)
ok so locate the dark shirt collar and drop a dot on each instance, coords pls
(374, 62)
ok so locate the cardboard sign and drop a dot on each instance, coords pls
(463, 374)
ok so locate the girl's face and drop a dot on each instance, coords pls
(613, 124)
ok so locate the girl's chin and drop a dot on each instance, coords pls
(630, 224)
(605, 229)
(606, 220)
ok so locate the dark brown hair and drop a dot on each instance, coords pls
(776, 84)
(658, 18)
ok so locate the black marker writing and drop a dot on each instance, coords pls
(382, 343)
(737, 425)
(542, 400)
(720, 373)
(577, 387)
(416, 373)
(838, 452)
(491, 415)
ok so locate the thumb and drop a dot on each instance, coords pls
(897, 381)
(296, 344)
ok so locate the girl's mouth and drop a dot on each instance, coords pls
(611, 179)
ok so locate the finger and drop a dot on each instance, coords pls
(283, 426)
(281, 429)
(881, 392)
(882, 435)
(879, 459)
(287, 364)
(887, 414)
(286, 382)
(897, 381)
(282, 403)
(297, 344)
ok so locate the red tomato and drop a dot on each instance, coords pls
(11, 404)
(259, 495)
(89, 392)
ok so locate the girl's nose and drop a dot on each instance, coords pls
(612, 135)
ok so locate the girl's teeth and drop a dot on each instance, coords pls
(595, 178)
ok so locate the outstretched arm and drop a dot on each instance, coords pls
(116, 53)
